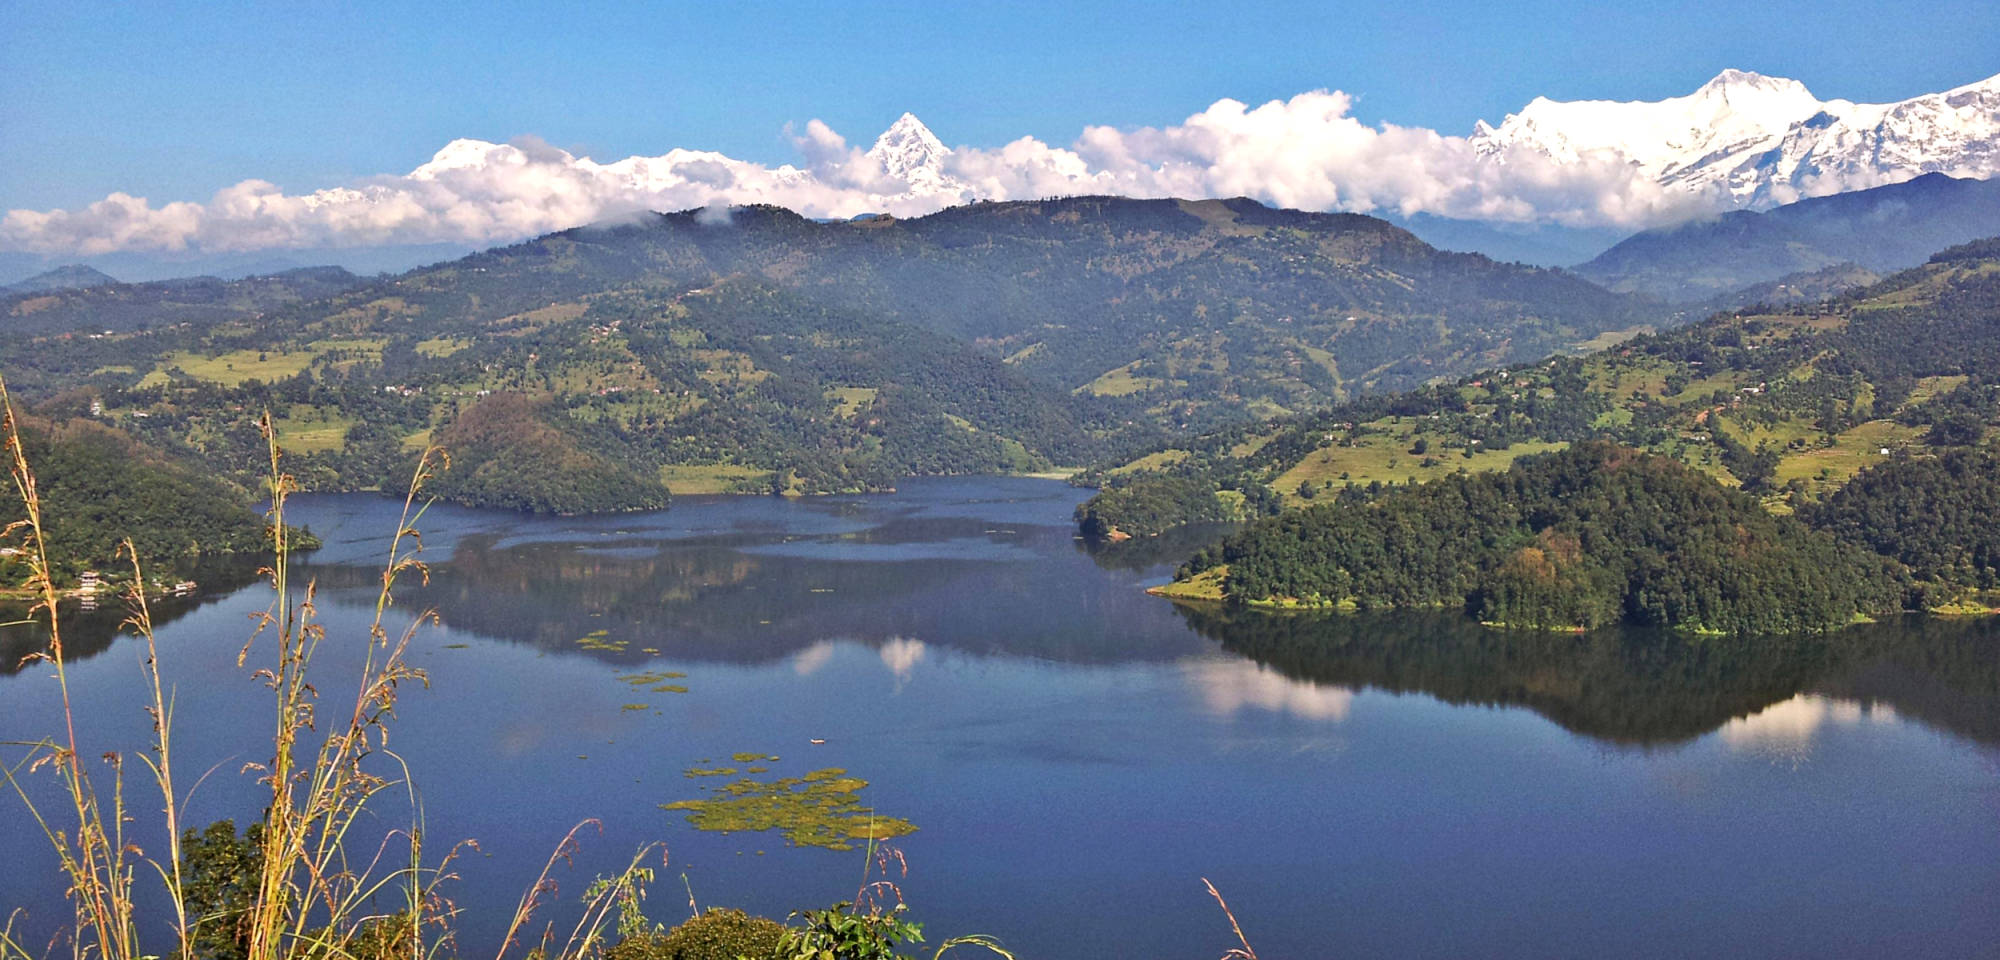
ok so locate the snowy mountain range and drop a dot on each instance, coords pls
(1741, 141)
(1754, 141)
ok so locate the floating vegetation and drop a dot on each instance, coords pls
(821, 809)
(601, 640)
(636, 706)
(456, 646)
(751, 757)
(651, 680)
(711, 772)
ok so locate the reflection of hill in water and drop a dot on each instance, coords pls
(971, 585)
(87, 633)
(1628, 686)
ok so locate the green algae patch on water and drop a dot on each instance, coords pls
(601, 640)
(820, 809)
(653, 680)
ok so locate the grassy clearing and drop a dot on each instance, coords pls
(849, 401)
(1206, 585)
(728, 366)
(538, 318)
(1854, 450)
(438, 348)
(1612, 338)
(233, 368)
(310, 430)
(691, 478)
(1121, 383)
(1025, 352)
(1387, 458)
(1153, 461)
(1929, 387)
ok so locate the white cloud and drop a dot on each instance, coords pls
(1306, 152)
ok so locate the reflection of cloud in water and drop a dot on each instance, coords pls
(1788, 727)
(901, 654)
(808, 661)
(1230, 686)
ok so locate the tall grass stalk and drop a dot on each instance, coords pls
(311, 895)
(96, 860)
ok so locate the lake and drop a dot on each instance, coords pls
(1077, 756)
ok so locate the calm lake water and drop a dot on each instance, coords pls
(1078, 755)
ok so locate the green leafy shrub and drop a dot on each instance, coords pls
(837, 933)
(718, 934)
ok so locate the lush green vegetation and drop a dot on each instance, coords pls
(794, 356)
(716, 934)
(103, 487)
(1789, 405)
(505, 453)
(1151, 504)
(1593, 535)
(1938, 516)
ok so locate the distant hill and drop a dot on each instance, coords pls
(763, 350)
(73, 277)
(124, 307)
(1228, 304)
(1815, 286)
(1883, 229)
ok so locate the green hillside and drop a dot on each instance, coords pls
(1787, 406)
(778, 353)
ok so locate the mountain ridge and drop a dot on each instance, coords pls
(1748, 140)
(1883, 229)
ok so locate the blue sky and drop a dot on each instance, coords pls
(173, 101)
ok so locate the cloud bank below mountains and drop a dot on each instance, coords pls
(1308, 152)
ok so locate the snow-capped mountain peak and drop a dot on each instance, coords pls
(909, 151)
(1746, 139)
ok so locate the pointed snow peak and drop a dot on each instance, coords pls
(908, 133)
(909, 151)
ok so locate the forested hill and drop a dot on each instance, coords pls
(1593, 535)
(764, 351)
(99, 486)
(1226, 304)
(1789, 406)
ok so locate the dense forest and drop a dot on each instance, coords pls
(1938, 516)
(99, 486)
(1593, 535)
(504, 453)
